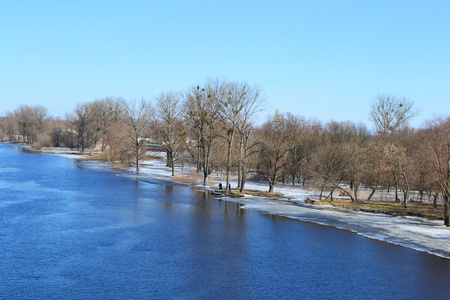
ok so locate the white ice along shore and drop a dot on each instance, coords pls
(412, 232)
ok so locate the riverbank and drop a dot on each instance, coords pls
(295, 194)
(422, 234)
(156, 168)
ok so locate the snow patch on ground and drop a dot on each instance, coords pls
(64, 152)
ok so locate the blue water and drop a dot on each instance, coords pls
(68, 233)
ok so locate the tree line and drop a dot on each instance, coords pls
(212, 126)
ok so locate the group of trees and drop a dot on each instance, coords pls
(212, 126)
(28, 121)
(219, 118)
(344, 156)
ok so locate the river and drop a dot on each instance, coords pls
(69, 233)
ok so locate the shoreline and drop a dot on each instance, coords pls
(413, 232)
(340, 204)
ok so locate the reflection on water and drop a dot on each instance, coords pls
(70, 233)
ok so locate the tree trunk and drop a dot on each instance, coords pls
(405, 199)
(242, 171)
(241, 163)
(206, 152)
(446, 211)
(168, 160)
(239, 176)
(406, 191)
(137, 162)
(330, 195)
(205, 174)
(82, 144)
(272, 182)
(321, 190)
(230, 144)
(198, 156)
(242, 184)
(371, 194)
(397, 200)
(356, 186)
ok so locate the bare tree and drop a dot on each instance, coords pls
(238, 106)
(40, 114)
(105, 112)
(31, 121)
(229, 112)
(3, 134)
(376, 169)
(398, 164)
(202, 107)
(296, 155)
(83, 123)
(58, 129)
(331, 163)
(169, 126)
(436, 149)
(390, 114)
(136, 120)
(9, 125)
(118, 141)
(276, 136)
(425, 180)
(358, 143)
(307, 135)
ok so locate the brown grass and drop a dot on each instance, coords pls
(91, 156)
(191, 179)
(253, 193)
(153, 157)
(263, 194)
(395, 209)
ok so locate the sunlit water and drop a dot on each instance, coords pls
(68, 233)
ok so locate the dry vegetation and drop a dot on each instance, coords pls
(395, 209)
(191, 179)
(256, 193)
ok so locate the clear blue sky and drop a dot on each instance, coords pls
(323, 59)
